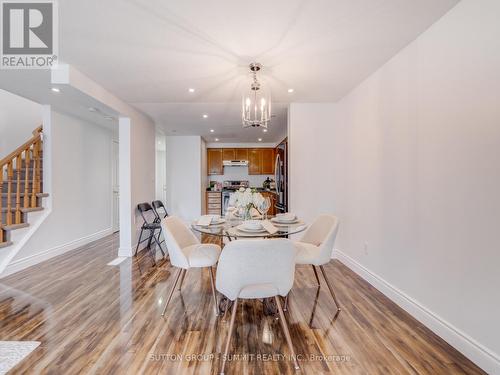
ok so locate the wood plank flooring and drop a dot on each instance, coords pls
(97, 319)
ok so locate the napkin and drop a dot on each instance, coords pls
(205, 220)
(267, 225)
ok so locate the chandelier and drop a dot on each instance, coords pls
(256, 105)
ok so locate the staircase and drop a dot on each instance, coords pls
(21, 186)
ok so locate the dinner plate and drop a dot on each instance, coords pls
(248, 230)
(218, 222)
(277, 221)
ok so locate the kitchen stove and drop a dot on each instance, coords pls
(235, 185)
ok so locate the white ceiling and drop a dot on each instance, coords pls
(150, 52)
(36, 85)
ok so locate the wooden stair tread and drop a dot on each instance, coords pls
(5, 244)
(39, 195)
(15, 226)
(22, 209)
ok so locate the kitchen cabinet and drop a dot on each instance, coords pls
(214, 161)
(267, 161)
(214, 203)
(255, 161)
(241, 154)
(260, 160)
(228, 154)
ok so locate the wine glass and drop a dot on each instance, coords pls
(265, 206)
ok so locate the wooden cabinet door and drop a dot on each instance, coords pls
(255, 161)
(214, 161)
(228, 154)
(241, 154)
(267, 161)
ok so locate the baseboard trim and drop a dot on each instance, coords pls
(477, 353)
(34, 259)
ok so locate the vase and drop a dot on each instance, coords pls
(247, 213)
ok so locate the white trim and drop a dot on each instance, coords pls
(485, 358)
(31, 260)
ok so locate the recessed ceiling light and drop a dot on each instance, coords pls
(212, 130)
(205, 116)
(290, 90)
(264, 130)
(56, 89)
(92, 109)
(109, 118)
(216, 139)
(260, 139)
(191, 90)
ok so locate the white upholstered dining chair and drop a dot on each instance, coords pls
(186, 251)
(316, 247)
(254, 269)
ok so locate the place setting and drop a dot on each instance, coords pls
(210, 220)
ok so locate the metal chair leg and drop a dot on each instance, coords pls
(231, 326)
(171, 291)
(213, 291)
(316, 274)
(159, 245)
(285, 308)
(287, 333)
(182, 280)
(330, 287)
(138, 242)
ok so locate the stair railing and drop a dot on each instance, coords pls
(11, 169)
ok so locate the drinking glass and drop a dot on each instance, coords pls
(265, 206)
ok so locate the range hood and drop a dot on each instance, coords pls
(235, 163)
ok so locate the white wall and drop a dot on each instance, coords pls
(18, 118)
(184, 176)
(137, 153)
(204, 176)
(412, 172)
(81, 189)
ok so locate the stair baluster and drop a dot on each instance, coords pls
(29, 154)
(17, 216)
(10, 176)
(27, 161)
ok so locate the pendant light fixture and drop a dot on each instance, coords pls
(256, 104)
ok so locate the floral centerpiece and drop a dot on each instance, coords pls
(244, 200)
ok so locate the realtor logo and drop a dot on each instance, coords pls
(29, 34)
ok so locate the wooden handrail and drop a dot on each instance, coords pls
(37, 133)
(29, 155)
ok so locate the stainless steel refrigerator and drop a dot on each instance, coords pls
(281, 176)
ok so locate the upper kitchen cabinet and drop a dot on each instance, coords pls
(240, 154)
(267, 161)
(214, 161)
(255, 161)
(228, 154)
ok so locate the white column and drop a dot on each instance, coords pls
(126, 209)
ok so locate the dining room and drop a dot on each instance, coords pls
(285, 187)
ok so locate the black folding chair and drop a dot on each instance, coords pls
(160, 213)
(151, 226)
(158, 207)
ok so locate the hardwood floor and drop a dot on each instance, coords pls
(97, 319)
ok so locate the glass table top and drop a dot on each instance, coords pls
(229, 228)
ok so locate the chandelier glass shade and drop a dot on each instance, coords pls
(256, 103)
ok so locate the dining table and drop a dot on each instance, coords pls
(230, 228)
